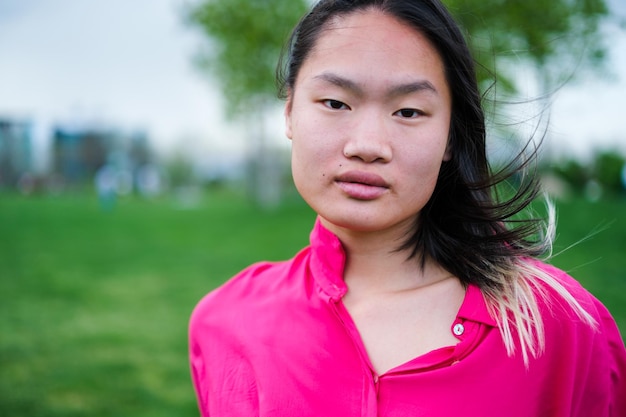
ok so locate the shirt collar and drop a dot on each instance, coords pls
(474, 307)
(328, 261)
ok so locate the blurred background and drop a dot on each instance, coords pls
(143, 163)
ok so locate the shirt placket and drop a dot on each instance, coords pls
(371, 380)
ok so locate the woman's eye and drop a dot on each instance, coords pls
(335, 104)
(409, 113)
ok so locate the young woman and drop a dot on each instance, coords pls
(416, 297)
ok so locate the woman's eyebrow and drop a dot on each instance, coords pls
(412, 87)
(341, 82)
(395, 91)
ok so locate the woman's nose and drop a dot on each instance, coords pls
(368, 139)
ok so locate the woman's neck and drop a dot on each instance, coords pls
(374, 263)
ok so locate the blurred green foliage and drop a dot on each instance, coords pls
(560, 38)
(606, 172)
(574, 172)
(245, 38)
(94, 305)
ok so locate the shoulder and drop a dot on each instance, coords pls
(244, 289)
(249, 291)
(574, 320)
(605, 326)
(593, 354)
(555, 287)
(571, 317)
(576, 309)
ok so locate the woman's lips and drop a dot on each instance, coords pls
(362, 185)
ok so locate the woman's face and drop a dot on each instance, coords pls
(369, 117)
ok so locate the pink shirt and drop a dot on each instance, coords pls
(276, 340)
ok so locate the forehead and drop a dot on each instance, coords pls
(369, 19)
(375, 44)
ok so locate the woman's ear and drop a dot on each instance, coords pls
(288, 108)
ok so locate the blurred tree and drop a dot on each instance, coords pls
(559, 38)
(245, 41)
(179, 170)
(573, 172)
(607, 170)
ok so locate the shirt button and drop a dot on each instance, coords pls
(458, 329)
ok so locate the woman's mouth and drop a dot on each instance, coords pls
(361, 185)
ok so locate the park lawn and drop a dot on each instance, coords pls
(591, 246)
(94, 305)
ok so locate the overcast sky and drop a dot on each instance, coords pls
(129, 64)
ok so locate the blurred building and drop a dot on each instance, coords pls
(16, 151)
(79, 153)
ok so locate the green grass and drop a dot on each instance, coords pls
(94, 305)
(597, 258)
